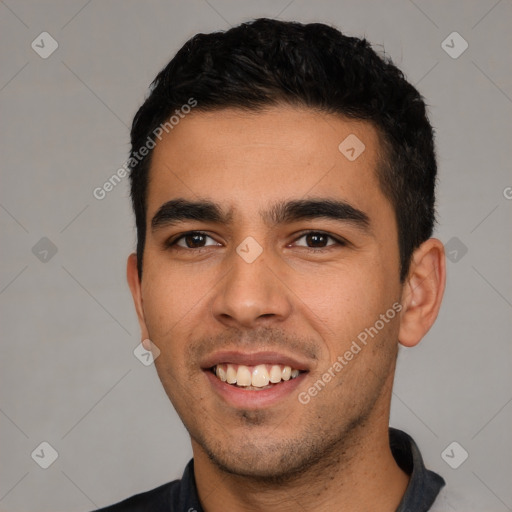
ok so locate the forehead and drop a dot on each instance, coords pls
(244, 160)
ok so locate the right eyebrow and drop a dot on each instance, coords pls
(172, 212)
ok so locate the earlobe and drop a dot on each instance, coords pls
(132, 276)
(422, 292)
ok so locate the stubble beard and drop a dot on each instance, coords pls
(311, 454)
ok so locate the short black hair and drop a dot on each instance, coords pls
(268, 62)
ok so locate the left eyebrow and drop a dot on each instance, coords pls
(310, 209)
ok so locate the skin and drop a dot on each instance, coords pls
(310, 302)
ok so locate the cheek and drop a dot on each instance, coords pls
(167, 297)
(343, 301)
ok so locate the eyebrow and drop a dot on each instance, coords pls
(178, 210)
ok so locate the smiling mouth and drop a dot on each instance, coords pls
(259, 377)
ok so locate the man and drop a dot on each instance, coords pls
(283, 183)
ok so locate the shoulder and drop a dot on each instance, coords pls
(155, 500)
(174, 496)
(450, 500)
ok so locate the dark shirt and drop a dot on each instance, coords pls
(181, 495)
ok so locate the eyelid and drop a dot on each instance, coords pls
(172, 242)
(337, 239)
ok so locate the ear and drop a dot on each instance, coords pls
(423, 292)
(132, 275)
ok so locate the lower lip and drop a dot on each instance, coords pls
(252, 399)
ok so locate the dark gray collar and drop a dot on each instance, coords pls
(181, 495)
(424, 485)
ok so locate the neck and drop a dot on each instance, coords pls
(361, 474)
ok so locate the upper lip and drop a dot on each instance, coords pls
(252, 359)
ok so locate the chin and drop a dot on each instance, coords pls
(265, 471)
(273, 463)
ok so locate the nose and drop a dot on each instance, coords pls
(251, 294)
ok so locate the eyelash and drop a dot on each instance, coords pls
(172, 243)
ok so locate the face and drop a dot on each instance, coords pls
(268, 254)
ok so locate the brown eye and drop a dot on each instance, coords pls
(193, 240)
(318, 240)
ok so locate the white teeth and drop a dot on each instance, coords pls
(260, 376)
(230, 374)
(221, 373)
(243, 376)
(275, 374)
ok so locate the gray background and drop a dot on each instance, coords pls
(68, 373)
